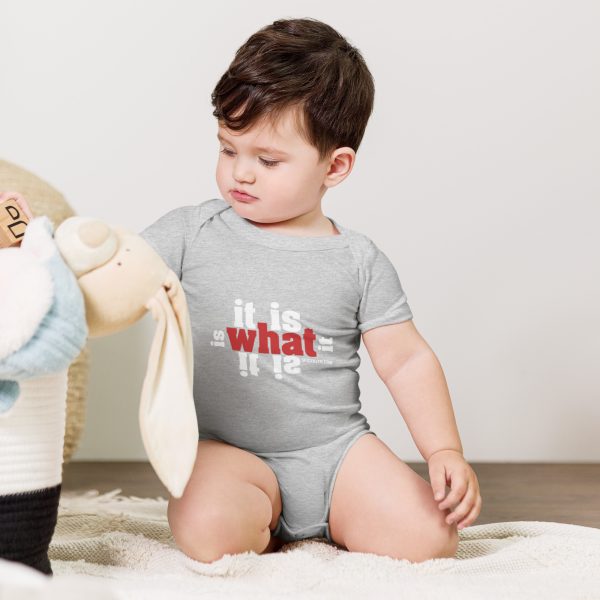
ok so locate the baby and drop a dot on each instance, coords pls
(279, 296)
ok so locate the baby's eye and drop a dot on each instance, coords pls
(269, 163)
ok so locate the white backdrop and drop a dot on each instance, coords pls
(478, 176)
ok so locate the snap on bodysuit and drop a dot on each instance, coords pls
(276, 325)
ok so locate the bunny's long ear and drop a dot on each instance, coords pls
(179, 304)
(167, 414)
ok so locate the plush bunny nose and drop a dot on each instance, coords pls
(85, 243)
(94, 233)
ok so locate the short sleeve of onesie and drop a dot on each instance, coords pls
(168, 236)
(276, 323)
(174, 233)
(383, 300)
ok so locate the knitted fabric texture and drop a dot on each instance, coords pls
(19, 514)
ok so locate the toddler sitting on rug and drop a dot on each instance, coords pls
(279, 296)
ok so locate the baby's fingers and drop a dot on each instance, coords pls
(473, 514)
(437, 476)
(458, 487)
(464, 506)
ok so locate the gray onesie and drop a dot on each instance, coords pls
(276, 323)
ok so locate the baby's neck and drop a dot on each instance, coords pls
(298, 226)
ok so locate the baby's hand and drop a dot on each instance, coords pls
(450, 466)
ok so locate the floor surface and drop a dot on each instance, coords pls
(564, 493)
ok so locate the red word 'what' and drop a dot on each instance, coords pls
(268, 341)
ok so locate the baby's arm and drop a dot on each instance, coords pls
(414, 376)
(411, 371)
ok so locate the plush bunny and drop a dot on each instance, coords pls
(87, 279)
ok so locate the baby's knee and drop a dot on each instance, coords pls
(198, 532)
(434, 538)
(444, 541)
(207, 532)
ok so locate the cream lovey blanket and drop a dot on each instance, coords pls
(109, 547)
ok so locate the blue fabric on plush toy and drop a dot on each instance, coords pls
(62, 332)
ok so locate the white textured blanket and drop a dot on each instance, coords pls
(110, 546)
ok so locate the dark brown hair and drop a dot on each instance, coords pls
(303, 64)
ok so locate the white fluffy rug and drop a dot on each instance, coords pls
(110, 546)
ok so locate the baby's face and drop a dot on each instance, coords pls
(276, 166)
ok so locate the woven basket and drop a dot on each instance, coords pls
(43, 199)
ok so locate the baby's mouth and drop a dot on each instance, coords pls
(242, 196)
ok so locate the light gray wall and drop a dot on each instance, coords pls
(478, 176)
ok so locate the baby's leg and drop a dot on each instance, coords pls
(381, 506)
(230, 505)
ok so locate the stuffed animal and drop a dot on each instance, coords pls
(59, 287)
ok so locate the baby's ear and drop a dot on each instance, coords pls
(38, 239)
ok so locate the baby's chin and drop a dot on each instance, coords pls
(256, 211)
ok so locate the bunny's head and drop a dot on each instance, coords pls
(121, 278)
(117, 271)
